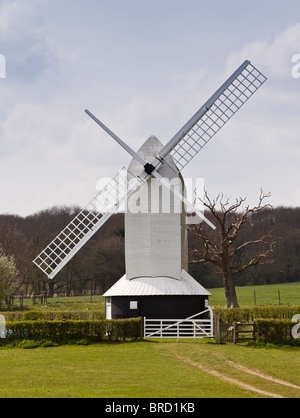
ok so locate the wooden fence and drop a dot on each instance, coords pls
(233, 333)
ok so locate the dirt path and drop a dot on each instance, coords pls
(229, 379)
(262, 375)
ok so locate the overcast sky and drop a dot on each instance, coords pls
(144, 68)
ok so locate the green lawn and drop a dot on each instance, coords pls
(147, 370)
(265, 295)
(65, 303)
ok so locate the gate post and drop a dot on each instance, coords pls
(235, 332)
(217, 328)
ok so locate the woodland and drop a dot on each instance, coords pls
(101, 262)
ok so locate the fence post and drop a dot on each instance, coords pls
(217, 327)
(234, 332)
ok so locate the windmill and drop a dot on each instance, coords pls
(156, 283)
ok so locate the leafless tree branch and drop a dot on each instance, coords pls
(219, 246)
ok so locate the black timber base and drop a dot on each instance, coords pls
(157, 307)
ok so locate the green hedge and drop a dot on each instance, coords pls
(250, 314)
(278, 331)
(100, 330)
(53, 315)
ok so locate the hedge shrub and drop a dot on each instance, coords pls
(250, 314)
(53, 315)
(99, 330)
(278, 331)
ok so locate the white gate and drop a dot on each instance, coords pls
(180, 328)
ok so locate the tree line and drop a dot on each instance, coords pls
(101, 262)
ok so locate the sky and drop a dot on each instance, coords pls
(143, 68)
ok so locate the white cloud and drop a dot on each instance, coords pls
(260, 147)
(15, 16)
(294, 198)
(24, 41)
(274, 56)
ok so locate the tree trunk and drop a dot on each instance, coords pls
(51, 289)
(229, 286)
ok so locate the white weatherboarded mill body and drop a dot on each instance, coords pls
(156, 283)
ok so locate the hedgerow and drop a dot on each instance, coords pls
(53, 315)
(275, 331)
(272, 324)
(98, 330)
(250, 314)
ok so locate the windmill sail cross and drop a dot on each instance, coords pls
(188, 141)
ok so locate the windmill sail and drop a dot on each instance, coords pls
(213, 115)
(107, 202)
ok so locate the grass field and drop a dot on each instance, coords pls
(265, 295)
(155, 369)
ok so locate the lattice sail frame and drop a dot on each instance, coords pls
(216, 112)
(69, 241)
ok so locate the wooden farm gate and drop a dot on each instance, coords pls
(191, 327)
(243, 332)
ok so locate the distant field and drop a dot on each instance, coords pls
(265, 295)
(77, 303)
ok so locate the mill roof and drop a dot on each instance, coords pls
(151, 286)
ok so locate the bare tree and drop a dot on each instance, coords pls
(224, 247)
(8, 274)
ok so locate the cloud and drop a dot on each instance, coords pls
(260, 147)
(294, 198)
(274, 56)
(15, 14)
(23, 40)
